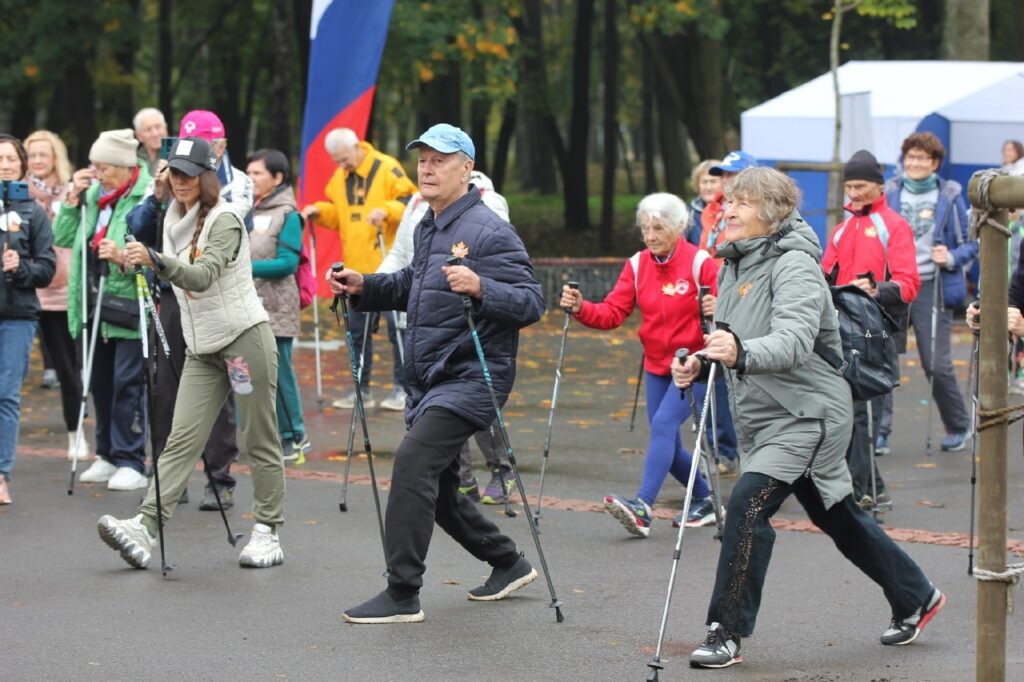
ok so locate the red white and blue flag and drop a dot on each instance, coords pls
(346, 43)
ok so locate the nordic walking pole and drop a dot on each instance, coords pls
(875, 508)
(467, 305)
(975, 360)
(936, 309)
(709, 400)
(394, 313)
(350, 451)
(509, 512)
(316, 320)
(716, 473)
(140, 281)
(90, 351)
(655, 665)
(554, 402)
(636, 395)
(343, 301)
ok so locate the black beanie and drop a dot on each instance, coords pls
(863, 166)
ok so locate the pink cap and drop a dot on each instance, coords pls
(201, 123)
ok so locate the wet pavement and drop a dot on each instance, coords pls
(72, 609)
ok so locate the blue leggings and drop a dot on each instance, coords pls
(666, 412)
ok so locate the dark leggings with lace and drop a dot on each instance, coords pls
(749, 538)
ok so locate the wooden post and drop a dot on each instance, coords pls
(990, 664)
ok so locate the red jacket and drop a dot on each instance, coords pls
(878, 240)
(667, 297)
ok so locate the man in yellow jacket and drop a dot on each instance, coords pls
(366, 197)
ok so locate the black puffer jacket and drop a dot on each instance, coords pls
(32, 238)
(441, 364)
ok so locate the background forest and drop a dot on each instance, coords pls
(576, 106)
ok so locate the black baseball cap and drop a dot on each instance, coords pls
(192, 156)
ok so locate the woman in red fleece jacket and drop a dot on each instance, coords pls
(662, 280)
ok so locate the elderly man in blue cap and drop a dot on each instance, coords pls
(448, 397)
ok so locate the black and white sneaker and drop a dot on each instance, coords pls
(504, 581)
(906, 630)
(719, 650)
(384, 609)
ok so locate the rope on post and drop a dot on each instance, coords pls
(1004, 415)
(1011, 576)
(983, 216)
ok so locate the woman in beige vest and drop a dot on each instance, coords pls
(276, 243)
(230, 353)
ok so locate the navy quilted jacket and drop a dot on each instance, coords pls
(441, 364)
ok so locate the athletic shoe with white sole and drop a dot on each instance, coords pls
(295, 451)
(263, 550)
(81, 452)
(634, 515)
(126, 478)
(99, 472)
(395, 400)
(384, 609)
(349, 401)
(129, 537)
(504, 581)
(906, 630)
(702, 513)
(719, 650)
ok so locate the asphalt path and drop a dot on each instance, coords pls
(71, 609)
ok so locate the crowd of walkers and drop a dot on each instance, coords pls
(737, 278)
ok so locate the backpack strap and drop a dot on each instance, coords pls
(698, 264)
(834, 359)
(634, 261)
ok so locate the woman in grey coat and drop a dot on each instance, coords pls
(792, 417)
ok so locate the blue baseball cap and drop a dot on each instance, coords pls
(734, 163)
(446, 139)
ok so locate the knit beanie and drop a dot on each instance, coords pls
(863, 166)
(116, 148)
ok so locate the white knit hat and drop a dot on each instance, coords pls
(115, 147)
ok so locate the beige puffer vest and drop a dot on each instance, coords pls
(280, 296)
(212, 319)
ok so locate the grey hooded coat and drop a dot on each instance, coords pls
(793, 414)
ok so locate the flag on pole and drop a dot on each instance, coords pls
(346, 43)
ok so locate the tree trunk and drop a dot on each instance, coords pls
(965, 30)
(672, 145)
(72, 109)
(302, 12)
(23, 110)
(574, 170)
(647, 118)
(442, 99)
(537, 138)
(276, 123)
(508, 127)
(478, 112)
(165, 62)
(611, 123)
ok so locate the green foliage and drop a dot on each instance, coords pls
(900, 13)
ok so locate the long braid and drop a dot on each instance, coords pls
(200, 219)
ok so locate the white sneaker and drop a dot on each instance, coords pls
(129, 537)
(100, 472)
(263, 550)
(127, 478)
(394, 400)
(82, 450)
(349, 401)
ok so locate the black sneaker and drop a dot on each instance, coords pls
(906, 630)
(385, 609)
(719, 650)
(227, 497)
(504, 581)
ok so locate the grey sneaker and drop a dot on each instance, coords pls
(295, 451)
(384, 609)
(905, 630)
(129, 537)
(263, 550)
(719, 650)
(209, 501)
(504, 581)
(349, 401)
(395, 400)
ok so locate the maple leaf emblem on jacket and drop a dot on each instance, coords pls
(460, 250)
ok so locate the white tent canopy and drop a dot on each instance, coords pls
(982, 101)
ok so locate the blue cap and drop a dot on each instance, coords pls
(734, 163)
(446, 139)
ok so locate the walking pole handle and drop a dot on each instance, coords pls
(455, 260)
(575, 286)
(705, 321)
(336, 267)
(681, 355)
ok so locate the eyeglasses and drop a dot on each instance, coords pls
(917, 157)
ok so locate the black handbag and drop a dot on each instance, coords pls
(120, 311)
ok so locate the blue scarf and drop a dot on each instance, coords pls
(921, 186)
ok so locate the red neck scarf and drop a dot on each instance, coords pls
(110, 201)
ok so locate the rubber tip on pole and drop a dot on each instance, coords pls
(653, 675)
(342, 507)
(573, 284)
(557, 606)
(233, 538)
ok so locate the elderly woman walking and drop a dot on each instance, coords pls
(793, 418)
(663, 281)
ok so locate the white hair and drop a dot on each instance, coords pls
(668, 208)
(145, 113)
(340, 138)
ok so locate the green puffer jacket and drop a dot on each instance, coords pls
(67, 232)
(792, 412)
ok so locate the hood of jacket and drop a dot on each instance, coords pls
(283, 195)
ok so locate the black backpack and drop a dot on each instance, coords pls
(869, 362)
